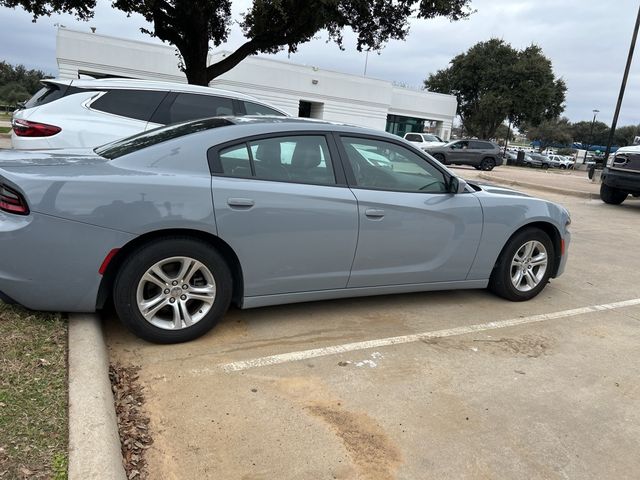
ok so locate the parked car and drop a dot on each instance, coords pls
(424, 140)
(481, 154)
(621, 176)
(510, 158)
(536, 160)
(88, 113)
(178, 222)
(559, 161)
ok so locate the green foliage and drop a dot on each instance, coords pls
(625, 135)
(581, 132)
(83, 9)
(492, 82)
(501, 132)
(550, 132)
(17, 83)
(566, 151)
(268, 25)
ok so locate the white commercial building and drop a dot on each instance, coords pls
(297, 89)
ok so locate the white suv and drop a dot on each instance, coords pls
(88, 113)
(424, 140)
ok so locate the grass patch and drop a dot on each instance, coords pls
(33, 394)
(5, 129)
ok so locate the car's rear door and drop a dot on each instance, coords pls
(411, 229)
(282, 204)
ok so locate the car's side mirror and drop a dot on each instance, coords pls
(457, 185)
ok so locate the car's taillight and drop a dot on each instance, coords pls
(12, 202)
(24, 128)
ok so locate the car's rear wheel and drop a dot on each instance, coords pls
(172, 290)
(524, 266)
(611, 195)
(487, 164)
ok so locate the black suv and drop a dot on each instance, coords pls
(481, 154)
(621, 176)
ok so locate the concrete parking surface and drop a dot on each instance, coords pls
(541, 397)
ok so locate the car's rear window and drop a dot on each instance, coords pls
(129, 145)
(48, 93)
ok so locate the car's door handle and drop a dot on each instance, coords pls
(240, 202)
(374, 213)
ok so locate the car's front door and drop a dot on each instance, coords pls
(457, 151)
(286, 212)
(411, 229)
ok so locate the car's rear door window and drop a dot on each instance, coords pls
(189, 106)
(257, 109)
(136, 104)
(235, 161)
(414, 137)
(298, 158)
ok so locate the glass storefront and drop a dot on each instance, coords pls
(400, 125)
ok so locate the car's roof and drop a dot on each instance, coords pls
(128, 83)
(297, 123)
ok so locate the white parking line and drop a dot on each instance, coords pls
(384, 342)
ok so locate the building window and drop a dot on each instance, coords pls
(399, 125)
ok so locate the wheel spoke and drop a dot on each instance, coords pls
(208, 299)
(532, 281)
(150, 311)
(177, 317)
(158, 272)
(153, 278)
(528, 249)
(540, 259)
(186, 316)
(192, 271)
(517, 279)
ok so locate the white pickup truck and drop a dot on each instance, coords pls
(424, 140)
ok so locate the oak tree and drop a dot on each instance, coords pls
(268, 26)
(494, 82)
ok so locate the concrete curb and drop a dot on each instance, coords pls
(535, 186)
(94, 444)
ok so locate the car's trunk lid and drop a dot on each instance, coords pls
(47, 158)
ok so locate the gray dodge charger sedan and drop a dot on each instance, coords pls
(174, 224)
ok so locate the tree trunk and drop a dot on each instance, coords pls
(195, 52)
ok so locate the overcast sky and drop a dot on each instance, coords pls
(587, 41)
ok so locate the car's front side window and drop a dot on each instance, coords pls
(378, 164)
(297, 158)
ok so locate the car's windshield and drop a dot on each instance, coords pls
(128, 145)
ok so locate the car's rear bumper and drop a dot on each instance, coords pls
(49, 263)
(626, 181)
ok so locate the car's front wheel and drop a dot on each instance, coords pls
(524, 266)
(611, 195)
(172, 290)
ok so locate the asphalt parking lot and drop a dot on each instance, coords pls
(432, 385)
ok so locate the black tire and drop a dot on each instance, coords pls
(545, 166)
(487, 164)
(142, 259)
(440, 158)
(611, 195)
(500, 282)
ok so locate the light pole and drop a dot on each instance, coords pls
(625, 76)
(593, 122)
